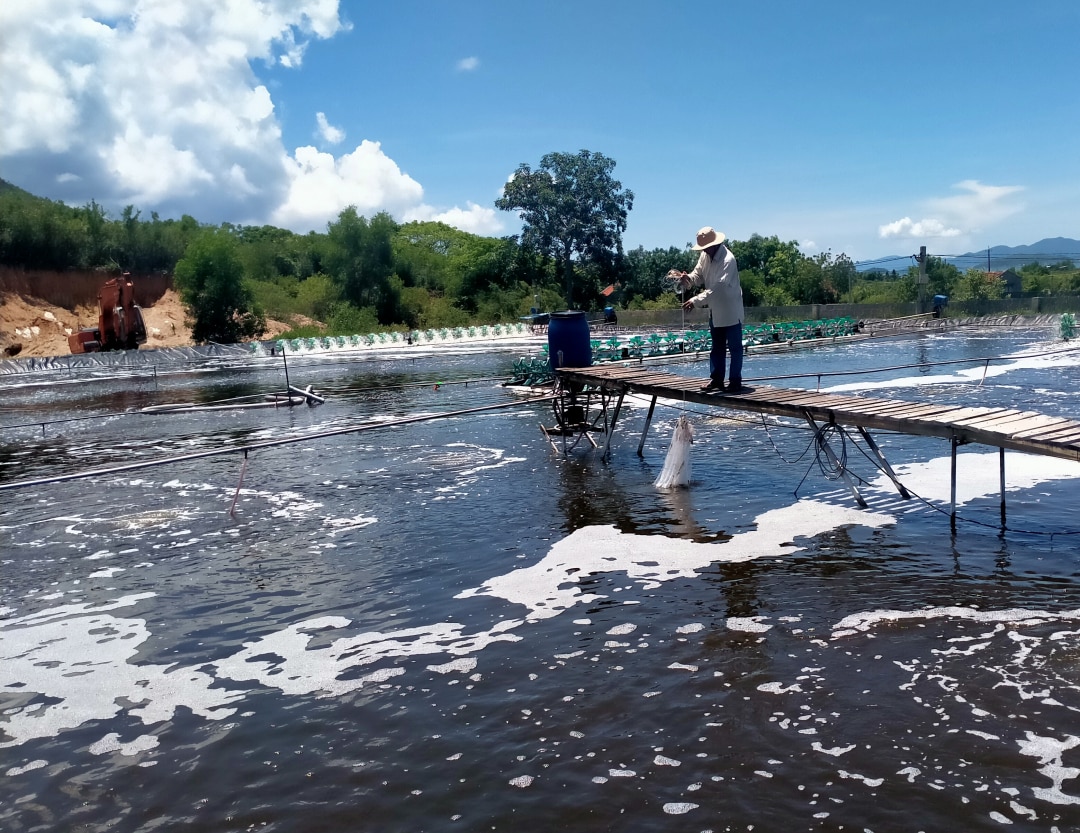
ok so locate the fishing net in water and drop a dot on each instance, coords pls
(676, 471)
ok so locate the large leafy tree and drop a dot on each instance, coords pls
(360, 256)
(978, 285)
(210, 280)
(572, 208)
(941, 277)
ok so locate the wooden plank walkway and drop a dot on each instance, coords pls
(1004, 428)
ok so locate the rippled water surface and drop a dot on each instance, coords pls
(448, 625)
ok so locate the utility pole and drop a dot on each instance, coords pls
(922, 278)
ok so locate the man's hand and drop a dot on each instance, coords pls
(679, 278)
(688, 305)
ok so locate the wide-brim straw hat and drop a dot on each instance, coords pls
(707, 237)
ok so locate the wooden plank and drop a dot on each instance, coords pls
(851, 403)
(936, 412)
(871, 403)
(657, 380)
(980, 413)
(1004, 422)
(896, 406)
(959, 416)
(1037, 425)
(1061, 435)
(995, 420)
(797, 397)
(921, 413)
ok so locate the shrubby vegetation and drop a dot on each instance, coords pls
(367, 274)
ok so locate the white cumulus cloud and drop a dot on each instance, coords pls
(979, 205)
(908, 228)
(159, 104)
(320, 185)
(976, 208)
(329, 133)
(468, 64)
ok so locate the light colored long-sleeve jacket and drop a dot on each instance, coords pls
(719, 277)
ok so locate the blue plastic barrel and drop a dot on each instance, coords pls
(569, 343)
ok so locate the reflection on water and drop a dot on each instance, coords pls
(450, 626)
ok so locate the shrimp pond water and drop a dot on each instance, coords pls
(447, 625)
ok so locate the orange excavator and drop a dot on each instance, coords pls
(120, 322)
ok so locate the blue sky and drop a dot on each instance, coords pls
(859, 127)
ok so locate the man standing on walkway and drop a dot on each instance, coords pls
(718, 273)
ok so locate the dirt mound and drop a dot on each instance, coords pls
(32, 327)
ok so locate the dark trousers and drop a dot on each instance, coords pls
(724, 339)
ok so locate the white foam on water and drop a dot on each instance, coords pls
(550, 587)
(284, 661)
(835, 751)
(678, 808)
(978, 475)
(911, 772)
(292, 505)
(1050, 753)
(691, 628)
(863, 622)
(79, 657)
(463, 665)
(498, 457)
(522, 781)
(29, 767)
(748, 624)
(108, 572)
(854, 776)
(337, 525)
(41, 651)
(111, 743)
(1014, 655)
(778, 688)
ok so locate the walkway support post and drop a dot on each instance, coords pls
(645, 431)
(952, 493)
(1001, 467)
(859, 499)
(885, 464)
(611, 428)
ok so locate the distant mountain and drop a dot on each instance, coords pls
(1047, 251)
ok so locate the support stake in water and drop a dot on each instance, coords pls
(1001, 472)
(243, 469)
(952, 498)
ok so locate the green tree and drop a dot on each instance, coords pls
(571, 208)
(769, 270)
(941, 276)
(360, 257)
(643, 277)
(210, 281)
(978, 285)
